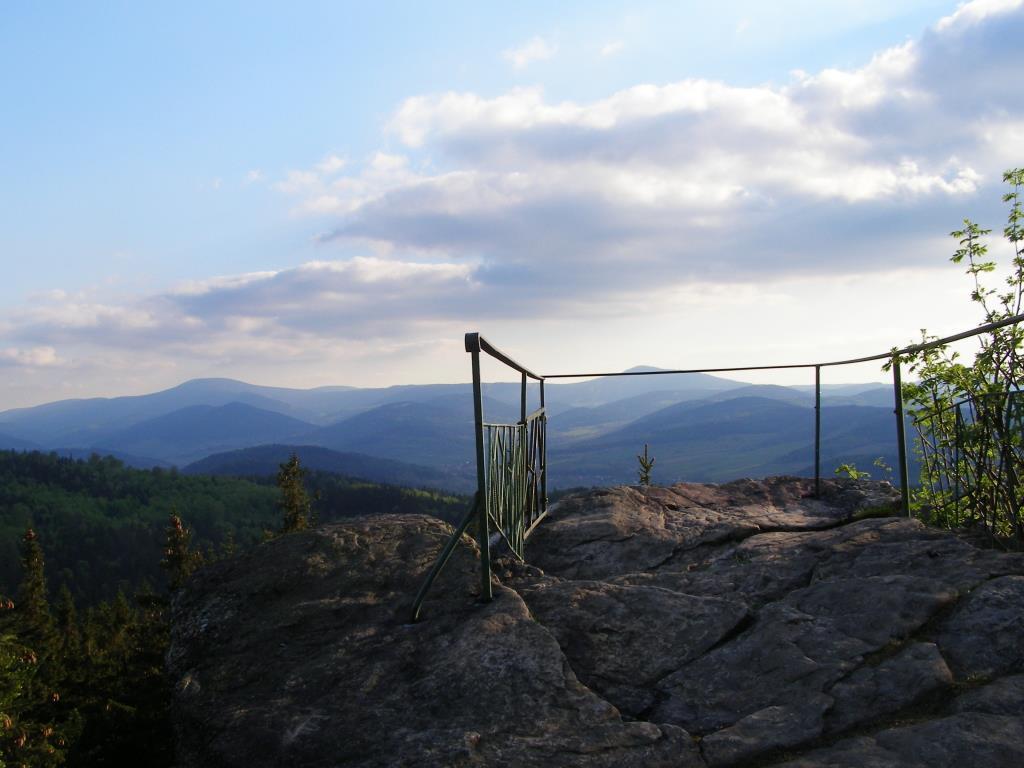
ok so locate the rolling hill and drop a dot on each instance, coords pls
(716, 441)
(191, 433)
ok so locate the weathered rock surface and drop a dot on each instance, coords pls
(734, 625)
(298, 655)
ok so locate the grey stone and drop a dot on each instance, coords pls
(785, 657)
(1005, 696)
(984, 636)
(798, 647)
(608, 533)
(762, 621)
(621, 640)
(771, 728)
(894, 684)
(970, 739)
(298, 654)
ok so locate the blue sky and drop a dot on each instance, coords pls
(331, 193)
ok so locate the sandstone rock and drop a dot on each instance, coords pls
(798, 648)
(621, 640)
(1003, 697)
(970, 739)
(777, 727)
(297, 654)
(625, 530)
(984, 636)
(759, 620)
(894, 684)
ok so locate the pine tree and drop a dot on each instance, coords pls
(33, 608)
(69, 635)
(32, 731)
(179, 560)
(294, 501)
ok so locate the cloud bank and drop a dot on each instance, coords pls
(588, 209)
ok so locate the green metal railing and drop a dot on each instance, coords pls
(511, 471)
(511, 459)
(516, 478)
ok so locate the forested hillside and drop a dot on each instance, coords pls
(102, 524)
(88, 550)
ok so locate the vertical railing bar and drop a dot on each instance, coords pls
(522, 400)
(817, 431)
(957, 438)
(901, 436)
(543, 452)
(483, 538)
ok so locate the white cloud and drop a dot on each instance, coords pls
(701, 177)
(34, 357)
(328, 299)
(612, 48)
(331, 164)
(534, 49)
(253, 176)
(698, 196)
(973, 12)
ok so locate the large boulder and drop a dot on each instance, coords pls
(747, 623)
(300, 654)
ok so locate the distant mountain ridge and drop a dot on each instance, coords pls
(700, 427)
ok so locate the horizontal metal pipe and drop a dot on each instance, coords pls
(531, 417)
(870, 358)
(474, 341)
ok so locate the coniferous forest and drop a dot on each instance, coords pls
(90, 552)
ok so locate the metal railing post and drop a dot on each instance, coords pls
(901, 435)
(522, 400)
(543, 456)
(482, 532)
(817, 431)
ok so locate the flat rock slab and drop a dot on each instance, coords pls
(602, 626)
(695, 625)
(972, 739)
(297, 654)
(984, 637)
(622, 530)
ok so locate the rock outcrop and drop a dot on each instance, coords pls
(695, 625)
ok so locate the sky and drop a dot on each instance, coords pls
(311, 194)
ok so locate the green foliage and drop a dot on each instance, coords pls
(82, 693)
(886, 468)
(646, 465)
(24, 739)
(969, 417)
(850, 470)
(294, 502)
(33, 608)
(102, 521)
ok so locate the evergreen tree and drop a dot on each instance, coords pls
(33, 608)
(69, 636)
(179, 560)
(24, 740)
(32, 731)
(294, 501)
